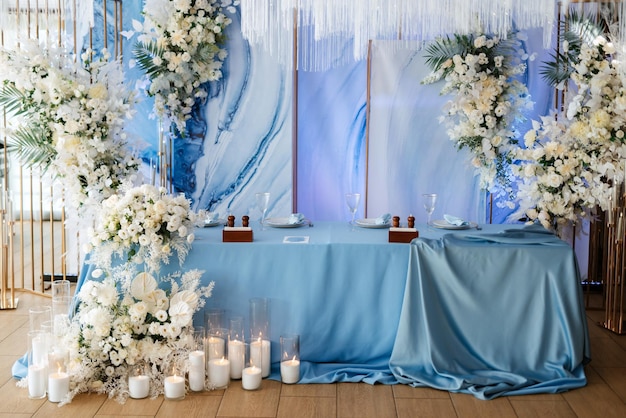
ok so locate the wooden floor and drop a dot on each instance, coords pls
(604, 396)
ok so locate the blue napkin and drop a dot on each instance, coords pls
(212, 217)
(295, 218)
(383, 219)
(453, 220)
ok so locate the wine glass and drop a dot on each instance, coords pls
(263, 200)
(353, 199)
(429, 200)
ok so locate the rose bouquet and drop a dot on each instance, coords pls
(145, 225)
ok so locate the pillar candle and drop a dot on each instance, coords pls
(36, 381)
(174, 387)
(216, 347)
(196, 370)
(138, 386)
(219, 372)
(290, 371)
(251, 378)
(260, 356)
(58, 386)
(236, 356)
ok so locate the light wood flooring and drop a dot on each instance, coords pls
(604, 396)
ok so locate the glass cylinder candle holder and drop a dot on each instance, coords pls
(139, 381)
(214, 318)
(259, 317)
(290, 358)
(260, 346)
(38, 315)
(236, 347)
(251, 373)
(37, 364)
(197, 360)
(58, 377)
(174, 383)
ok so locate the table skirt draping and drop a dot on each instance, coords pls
(491, 315)
(365, 311)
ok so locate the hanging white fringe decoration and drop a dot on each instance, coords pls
(331, 28)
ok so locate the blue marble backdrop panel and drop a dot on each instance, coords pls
(239, 140)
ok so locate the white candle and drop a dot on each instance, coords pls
(236, 356)
(219, 372)
(290, 371)
(39, 349)
(260, 356)
(251, 378)
(58, 386)
(196, 370)
(138, 386)
(174, 387)
(36, 381)
(216, 347)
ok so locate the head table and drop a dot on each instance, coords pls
(492, 312)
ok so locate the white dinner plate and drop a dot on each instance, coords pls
(214, 222)
(443, 224)
(370, 223)
(282, 223)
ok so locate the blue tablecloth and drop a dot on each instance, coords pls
(344, 293)
(491, 315)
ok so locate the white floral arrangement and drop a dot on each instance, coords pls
(69, 117)
(481, 71)
(146, 225)
(178, 49)
(125, 319)
(573, 160)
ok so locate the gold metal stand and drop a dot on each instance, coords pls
(615, 268)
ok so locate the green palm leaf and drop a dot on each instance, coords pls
(145, 53)
(31, 147)
(576, 29)
(443, 49)
(13, 100)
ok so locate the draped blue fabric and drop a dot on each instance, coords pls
(491, 315)
(488, 312)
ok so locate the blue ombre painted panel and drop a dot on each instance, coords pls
(409, 151)
(331, 140)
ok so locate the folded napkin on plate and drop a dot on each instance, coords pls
(383, 219)
(296, 218)
(453, 220)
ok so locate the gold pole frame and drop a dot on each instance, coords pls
(35, 243)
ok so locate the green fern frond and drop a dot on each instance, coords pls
(31, 146)
(13, 100)
(145, 53)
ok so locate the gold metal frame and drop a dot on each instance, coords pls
(34, 247)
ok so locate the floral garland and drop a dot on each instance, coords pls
(481, 71)
(70, 119)
(125, 320)
(572, 160)
(178, 50)
(146, 225)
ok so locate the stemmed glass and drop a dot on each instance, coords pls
(353, 199)
(263, 200)
(429, 200)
